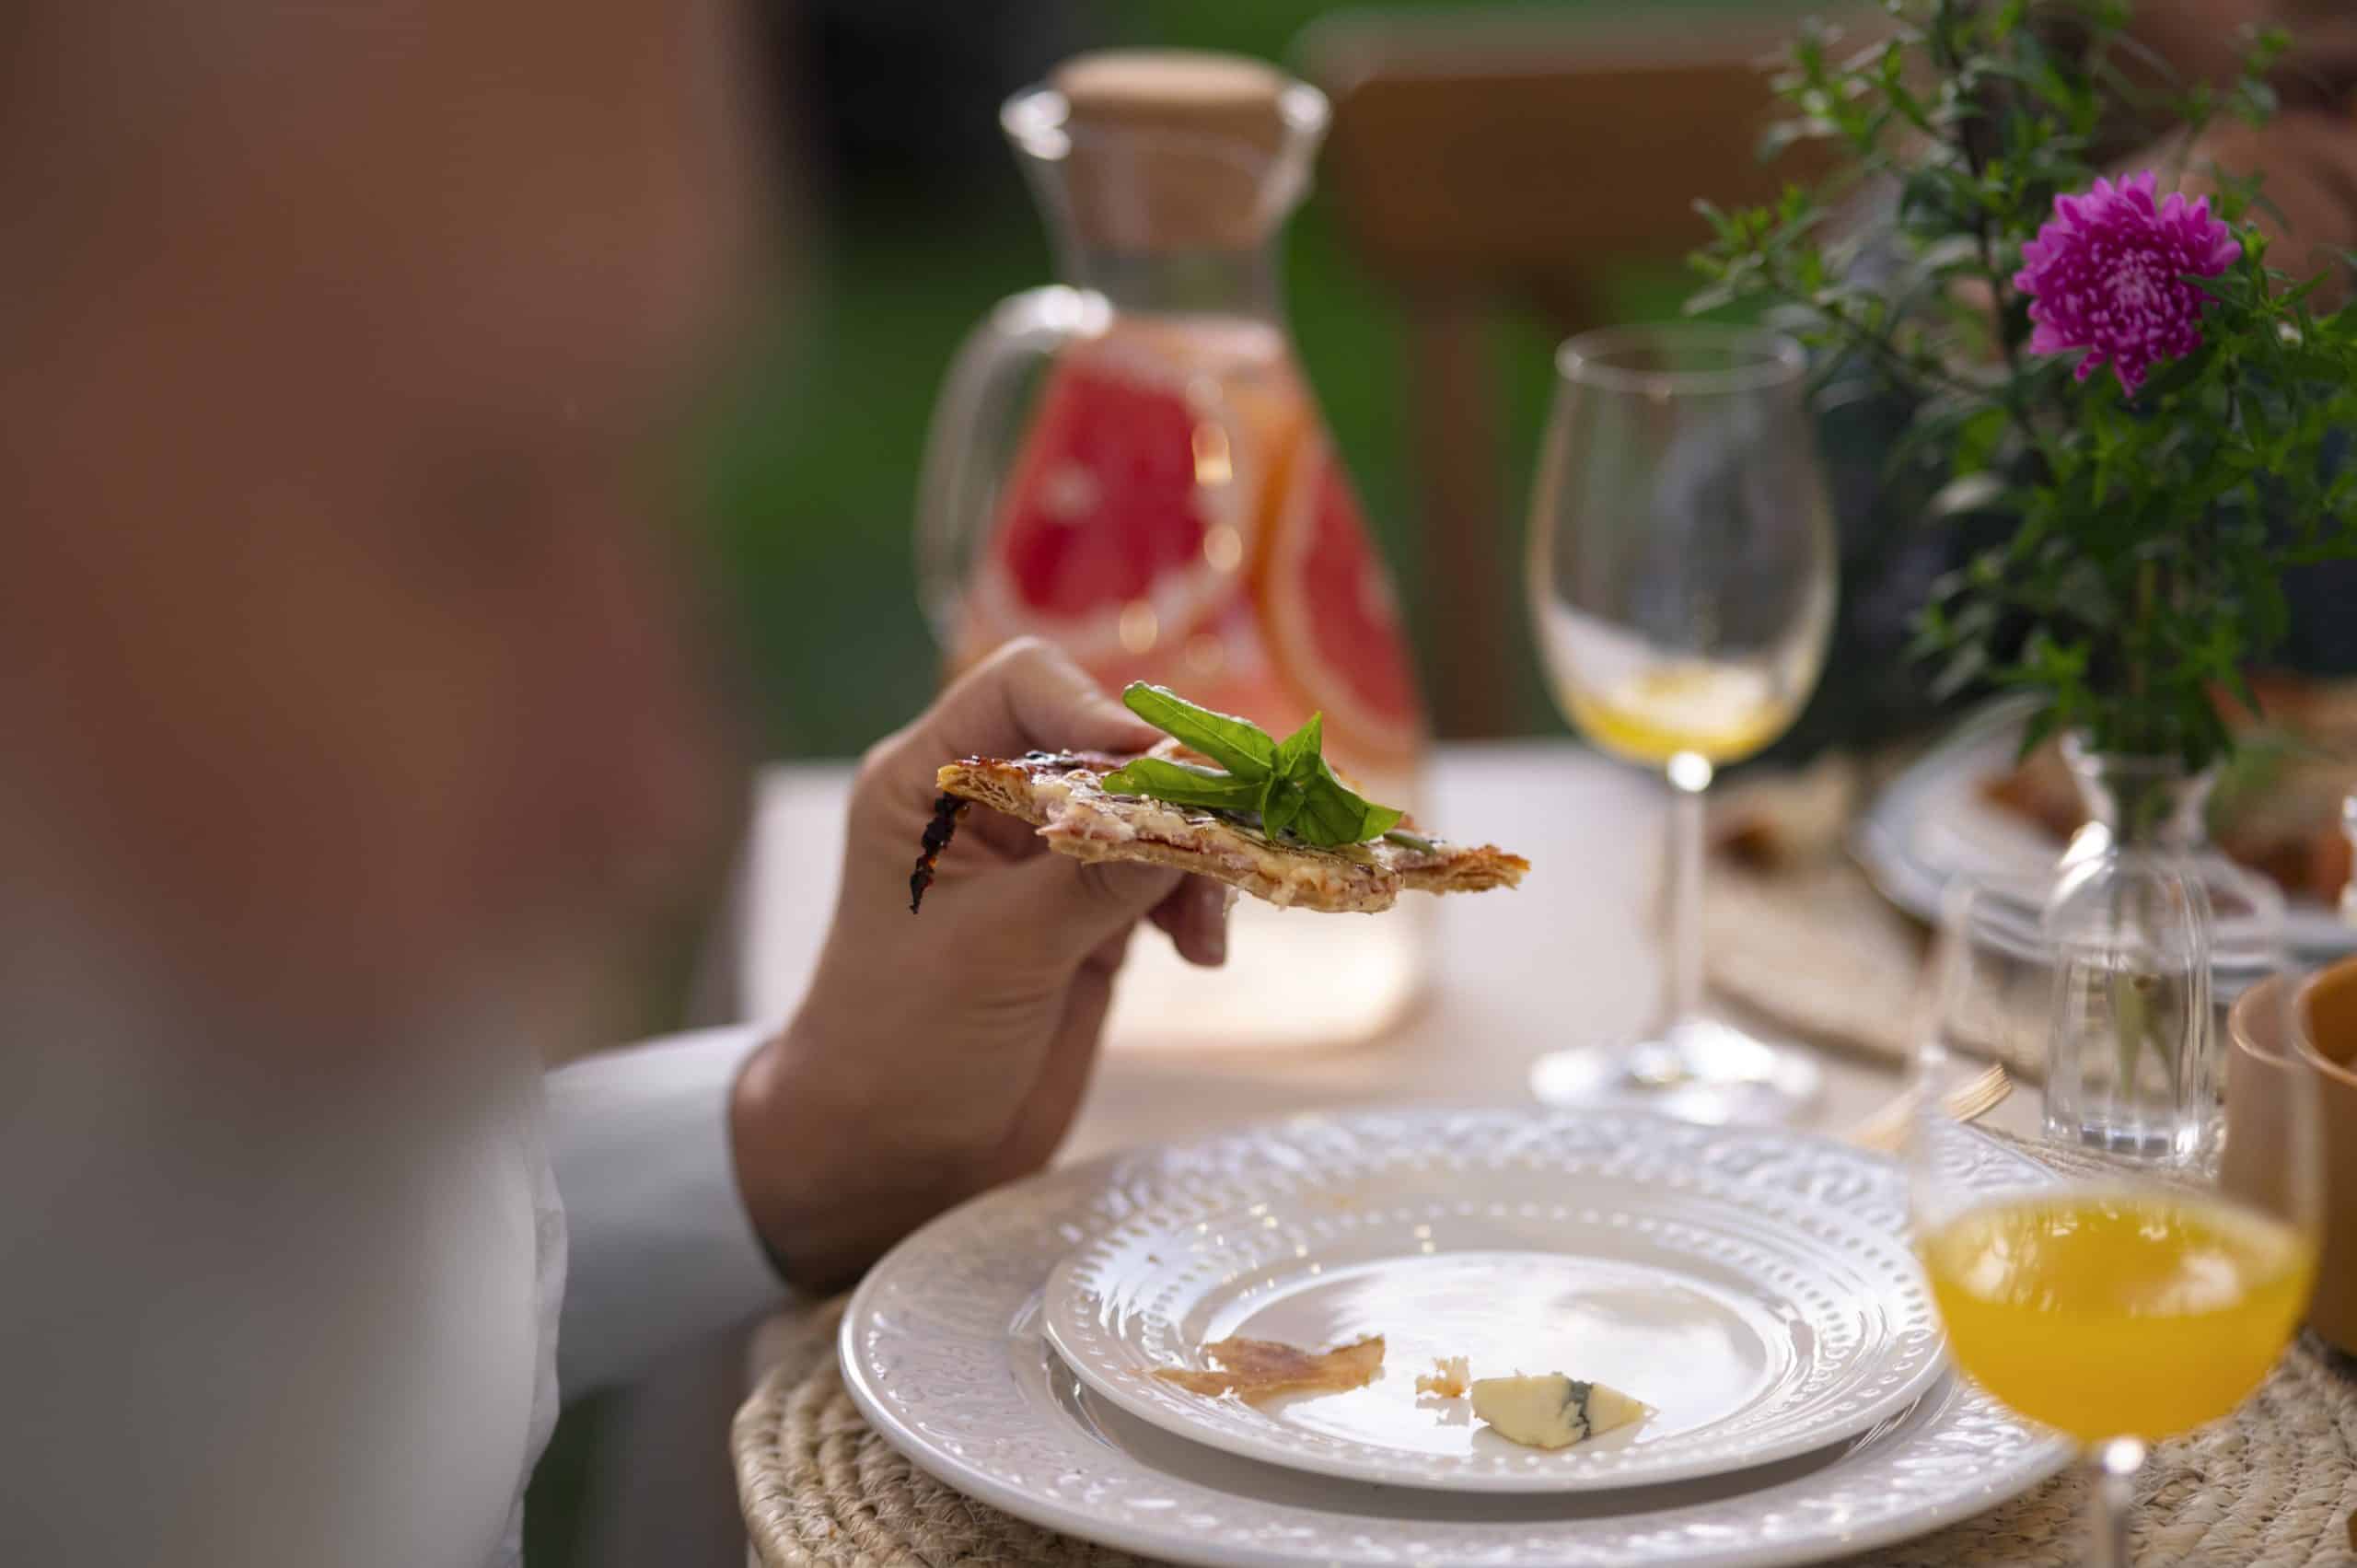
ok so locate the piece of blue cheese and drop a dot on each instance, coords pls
(1552, 1410)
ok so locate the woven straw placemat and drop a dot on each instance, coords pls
(1816, 951)
(2273, 1487)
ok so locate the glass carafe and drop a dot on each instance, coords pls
(1129, 464)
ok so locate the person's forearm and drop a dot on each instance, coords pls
(829, 1198)
(661, 1245)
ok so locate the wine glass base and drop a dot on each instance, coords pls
(1701, 1071)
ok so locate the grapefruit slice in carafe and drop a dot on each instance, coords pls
(1118, 527)
(1334, 628)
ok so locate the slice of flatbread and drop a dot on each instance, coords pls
(1063, 794)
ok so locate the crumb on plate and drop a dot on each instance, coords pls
(1448, 1380)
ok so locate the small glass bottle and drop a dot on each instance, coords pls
(2154, 804)
(2132, 1026)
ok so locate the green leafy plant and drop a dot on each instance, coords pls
(1286, 786)
(2134, 528)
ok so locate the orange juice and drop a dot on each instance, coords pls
(2119, 1313)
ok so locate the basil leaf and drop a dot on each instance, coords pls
(1298, 754)
(1327, 820)
(1282, 807)
(1334, 815)
(1289, 784)
(1239, 744)
(1181, 783)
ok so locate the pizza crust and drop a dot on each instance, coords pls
(1061, 793)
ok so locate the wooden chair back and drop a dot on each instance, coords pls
(1481, 161)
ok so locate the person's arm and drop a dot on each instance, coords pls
(933, 1057)
(660, 1247)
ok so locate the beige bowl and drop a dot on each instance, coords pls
(2262, 1067)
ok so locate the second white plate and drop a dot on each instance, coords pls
(1759, 1325)
(1933, 824)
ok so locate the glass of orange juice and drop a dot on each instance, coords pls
(1681, 576)
(2125, 1308)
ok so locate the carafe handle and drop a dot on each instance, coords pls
(973, 437)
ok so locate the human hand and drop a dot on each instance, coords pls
(938, 1055)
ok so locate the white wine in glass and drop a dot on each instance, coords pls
(1682, 566)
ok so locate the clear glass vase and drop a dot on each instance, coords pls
(2132, 1024)
(2155, 806)
(2150, 932)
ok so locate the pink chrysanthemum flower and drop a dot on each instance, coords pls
(2107, 276)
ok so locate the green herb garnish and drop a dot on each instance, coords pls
(1286, 783)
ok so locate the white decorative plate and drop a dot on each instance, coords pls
(1932, 825)
(943, 1351)
(1758, 1325)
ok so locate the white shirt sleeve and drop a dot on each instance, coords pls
(661, 1249)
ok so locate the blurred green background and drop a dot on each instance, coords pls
(809, 473)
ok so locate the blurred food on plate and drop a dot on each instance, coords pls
(1781, 820)
(2276, 809)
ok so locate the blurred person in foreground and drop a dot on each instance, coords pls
(345, 733)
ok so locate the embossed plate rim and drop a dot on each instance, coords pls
(949, 1302)
(1848, 1267)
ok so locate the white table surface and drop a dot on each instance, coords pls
(1572, 955)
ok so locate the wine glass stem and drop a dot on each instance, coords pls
(2113, 1500)
(1689, 777)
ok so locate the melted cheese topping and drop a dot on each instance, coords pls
(1078, 810)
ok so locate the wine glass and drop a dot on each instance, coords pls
(2134, 1299)
(1681, 580)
